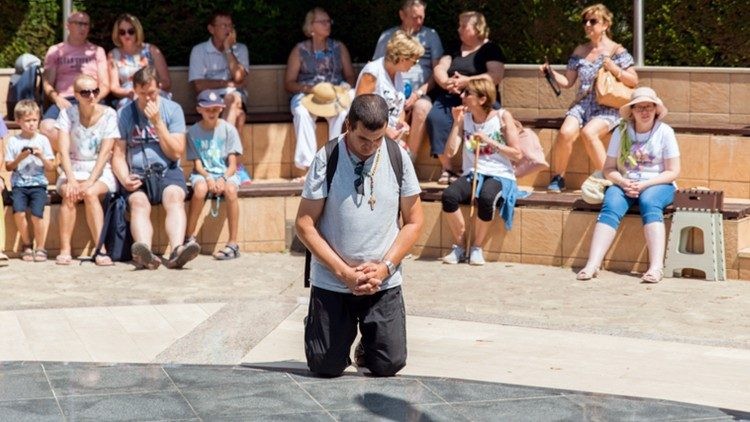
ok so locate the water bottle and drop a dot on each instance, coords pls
(407, 89)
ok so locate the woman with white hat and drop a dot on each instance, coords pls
(319, 74)
(643, 160)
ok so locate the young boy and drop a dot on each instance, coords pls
(213, 145)
(28, 156)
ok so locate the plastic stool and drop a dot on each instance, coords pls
(699, 209)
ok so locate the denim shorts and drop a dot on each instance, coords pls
(29, 198)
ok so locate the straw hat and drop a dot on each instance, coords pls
(326, 100)
(644, 95)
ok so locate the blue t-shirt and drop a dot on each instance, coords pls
(30, 171)
(213, 147)
(141, 136)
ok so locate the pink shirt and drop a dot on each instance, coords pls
(69, 61)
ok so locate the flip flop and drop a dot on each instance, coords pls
(103, 261)
(652, 277)
(64, 259)
(586, 275)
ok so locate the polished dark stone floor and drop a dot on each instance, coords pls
(34, 391)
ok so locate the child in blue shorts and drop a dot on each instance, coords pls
(28, 156)
(214, 145)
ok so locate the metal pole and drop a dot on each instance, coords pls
(67, 9)
(638, 31)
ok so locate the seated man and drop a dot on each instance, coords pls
(221, 65)
(153, 138)
(63, 63)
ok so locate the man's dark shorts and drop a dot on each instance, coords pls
(29, 198)
(173, 176)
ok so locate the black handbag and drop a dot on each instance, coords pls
(152, 182)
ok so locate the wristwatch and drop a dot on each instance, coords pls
(391, 267)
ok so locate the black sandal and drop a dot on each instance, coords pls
(229, 252)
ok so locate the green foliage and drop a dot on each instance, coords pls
(678, 33)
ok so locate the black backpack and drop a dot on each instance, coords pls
(332, 161)
(116, 229)
(28, 85)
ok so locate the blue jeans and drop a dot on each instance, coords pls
(651, 202)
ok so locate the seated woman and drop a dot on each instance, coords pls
(319, 59)
(586, 117)
(643, 160)
(130, 55)
(87, 134)
(477, 58)
(492, 136)
(383, 77)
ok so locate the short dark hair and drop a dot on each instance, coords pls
(218, 13)
(145, 75)
(369, 109)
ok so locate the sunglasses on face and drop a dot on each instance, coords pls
(645, 108)
(129, 31)
(592, 21)
(89, 92)
(360, 180)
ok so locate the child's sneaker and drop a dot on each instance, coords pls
(455, 256)
(557, 184)
(476, 257)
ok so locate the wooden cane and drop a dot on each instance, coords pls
(467, 232)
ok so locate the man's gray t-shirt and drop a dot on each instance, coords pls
(140, 134)
(354, 231)
(433, 50)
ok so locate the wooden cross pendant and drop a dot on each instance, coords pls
(372, 202)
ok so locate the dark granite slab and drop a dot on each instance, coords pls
(132, 392)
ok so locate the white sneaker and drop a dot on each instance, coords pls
(455, 256)
(476, 257)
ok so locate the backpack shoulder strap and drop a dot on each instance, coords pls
(332, 160)
(397, 162)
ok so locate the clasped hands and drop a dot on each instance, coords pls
(632, 188)
(365, 279)
(457, 83)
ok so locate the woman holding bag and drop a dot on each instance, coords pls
(587, 117)
(643, 160)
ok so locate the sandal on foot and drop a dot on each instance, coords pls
(229, 252)
(4, 260)
(64, 259)
(585, 274)
(652, 277)
(445, 177)
(103, 261)
(143, 257)
(182, 254)
(27, 254)
(40, 255)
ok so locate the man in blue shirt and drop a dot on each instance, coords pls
(146, 161)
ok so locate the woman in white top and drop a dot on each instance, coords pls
(494, 133)
(383, 77)
(130, 55)
(643, 160)
(87, 134)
